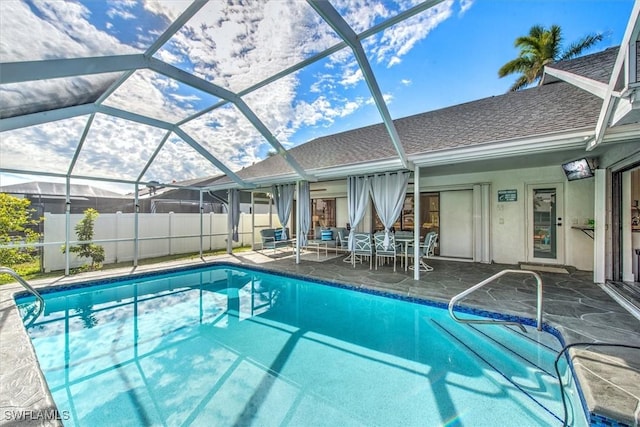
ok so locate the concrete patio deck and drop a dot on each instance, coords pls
(579, 309)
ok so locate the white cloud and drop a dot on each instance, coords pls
(400, 39)
(228, 135)
(186, 98)
(351, 76)
(236, 46)
(47, 147)
(393, 61)
(123, 14)
(149, 94)
(406, 82)
(63, 31)
(117, 148)
(170, 9)
(362, 14)
(465, 5)
(178, 161)
(233, 46)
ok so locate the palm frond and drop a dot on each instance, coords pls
(520, 83)
(518, 65)
(580, 46)
(541, 47)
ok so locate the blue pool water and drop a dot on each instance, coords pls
(226, 346)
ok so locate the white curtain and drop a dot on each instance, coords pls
(357, 201)
(234, 211)
(283, 199)
(388, 192)
(305, 211)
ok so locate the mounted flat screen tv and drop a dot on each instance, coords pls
(577, 169)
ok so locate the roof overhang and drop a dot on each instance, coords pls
(505, 148)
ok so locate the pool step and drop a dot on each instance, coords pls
(538, 349)
(527, 370)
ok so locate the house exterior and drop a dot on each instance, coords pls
(490, 176)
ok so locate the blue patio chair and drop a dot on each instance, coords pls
(363, 248)
(391, 251)
(426, 251)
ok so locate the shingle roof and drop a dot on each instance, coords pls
(531, 112)
(550, 108)
(597, 66)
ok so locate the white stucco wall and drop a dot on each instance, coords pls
(509, 219)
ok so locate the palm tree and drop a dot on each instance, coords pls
(541, 47)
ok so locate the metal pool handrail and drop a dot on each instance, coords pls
(463, 294)
(28, 287)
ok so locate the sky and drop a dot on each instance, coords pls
(446, 55)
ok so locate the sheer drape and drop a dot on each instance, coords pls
(305, 211)
(388, 192)
(283, 199)
(234, 211)
(357, 201)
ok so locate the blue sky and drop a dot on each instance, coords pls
(447, 55)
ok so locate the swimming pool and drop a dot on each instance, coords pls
(223, 345)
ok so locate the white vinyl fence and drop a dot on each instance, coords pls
(159, 235)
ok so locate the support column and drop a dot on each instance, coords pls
(67, 233)
(253, 221)
(626, 242)
(486, 224)
(477, 222)
(599, 214)
(229, 222)
(417, 224)
(298, 232)
(136, 226)
(201, 224)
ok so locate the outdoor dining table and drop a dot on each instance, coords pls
(405, 240)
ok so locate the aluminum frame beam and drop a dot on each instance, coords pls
(83, 138)
(154, 155)
(127, 115)
(33, 119)
(610, 101)
(210, 88)
(17, 72)
(60, 68)
(340, 26)
(207, 155)
(321, 55)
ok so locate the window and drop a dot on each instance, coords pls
(429, 215)
(323, 213)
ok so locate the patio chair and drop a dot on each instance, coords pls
(343, 241)
(271, 239)
(391, 251)
(426, 251)
(363, 248)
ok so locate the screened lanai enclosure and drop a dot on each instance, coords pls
(176, 105)
(140, 96)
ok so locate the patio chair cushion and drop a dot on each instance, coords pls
(269, 240)
(326, 235)
(334, 241)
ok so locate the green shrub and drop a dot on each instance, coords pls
(16, 227)
(84, 232)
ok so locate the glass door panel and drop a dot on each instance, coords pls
(544, 228)
(545, 232)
